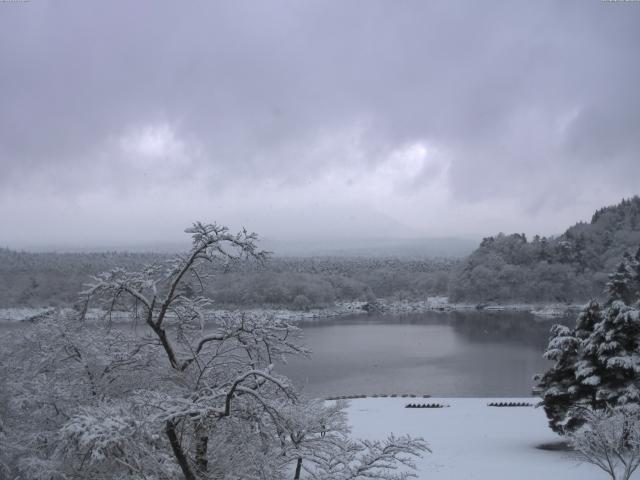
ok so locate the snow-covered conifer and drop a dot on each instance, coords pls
(614, 344)
(558, 385)
(597, 363)
(621, 284)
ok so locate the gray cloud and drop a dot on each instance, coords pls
(528, 113)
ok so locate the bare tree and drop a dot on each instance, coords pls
(195, 394)
(225, 371)
(610, 440)
(4, 451)
(321, 447)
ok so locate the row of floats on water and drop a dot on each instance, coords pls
(424, 405)
(379, 395)
(492, 404)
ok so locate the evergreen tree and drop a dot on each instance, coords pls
(634, 268)
(557, 384)
(570, 381)
(621, 283)
(597, 363)
(614, 346)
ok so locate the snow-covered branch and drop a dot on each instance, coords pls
(610, 440)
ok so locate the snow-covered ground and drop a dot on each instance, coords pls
(470, 440)
(21, 314)
(431, 304)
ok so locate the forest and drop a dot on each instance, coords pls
(54, 279)
(196, 396)
(571, 267)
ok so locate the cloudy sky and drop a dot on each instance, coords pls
(122, 122)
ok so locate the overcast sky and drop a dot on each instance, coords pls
(122, 122)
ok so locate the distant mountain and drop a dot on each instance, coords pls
(573, 266)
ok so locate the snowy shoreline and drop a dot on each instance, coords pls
(431, 304)
(339, 309)
(470, 439)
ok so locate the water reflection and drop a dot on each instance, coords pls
(443, 354)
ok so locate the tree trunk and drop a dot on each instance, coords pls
(181, 457)
(298, 469)
(202, 444)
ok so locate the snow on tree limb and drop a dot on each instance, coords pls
(195, 395)
(610, 440)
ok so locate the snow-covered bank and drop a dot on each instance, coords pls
(29, 314)
(431, 304)
(442, 304)
(22, 314)
(470, 440)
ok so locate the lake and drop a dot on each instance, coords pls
(458, 354)
(455, 354)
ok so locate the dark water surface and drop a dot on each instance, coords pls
(460, 354)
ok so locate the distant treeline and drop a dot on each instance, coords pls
(302, 283)
(54, 279)
(572, 267)
(569, 268)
